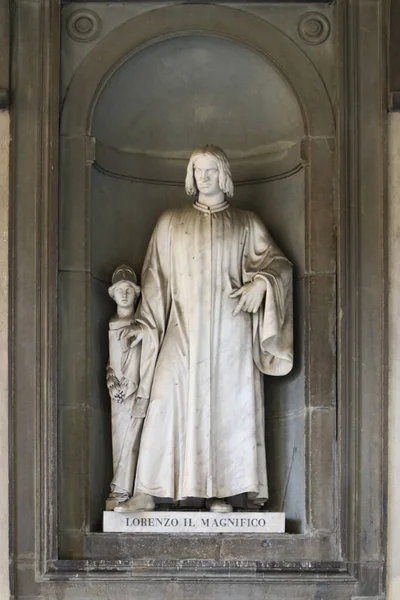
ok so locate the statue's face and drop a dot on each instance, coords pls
(206, 174)
(124, 294)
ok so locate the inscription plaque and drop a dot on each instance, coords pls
(193, 522)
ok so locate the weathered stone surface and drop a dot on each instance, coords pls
(72, 463)
(322, 341)
(4, 355)
(74, 290)
(393, 580)
(321, 231)
(74, 245)
(321, 467)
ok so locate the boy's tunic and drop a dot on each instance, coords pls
(127, 411)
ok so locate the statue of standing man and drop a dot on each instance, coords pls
(215, 313)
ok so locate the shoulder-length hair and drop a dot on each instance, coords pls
(225, 177)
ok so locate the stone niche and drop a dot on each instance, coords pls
(283, 89)
(163, 101)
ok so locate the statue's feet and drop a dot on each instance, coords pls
(114, 499)
(138, 502)
(220, 506)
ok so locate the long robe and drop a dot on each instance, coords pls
(203, 435)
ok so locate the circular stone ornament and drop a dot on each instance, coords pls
(83, 25)
(314, 28)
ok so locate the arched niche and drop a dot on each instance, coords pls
(178, 20)
(107, 212)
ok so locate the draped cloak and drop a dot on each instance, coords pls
(203, 434)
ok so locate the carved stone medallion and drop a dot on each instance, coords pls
(314, 28)
(83, 25)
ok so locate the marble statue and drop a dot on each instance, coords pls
(123, 372)
(215, 313)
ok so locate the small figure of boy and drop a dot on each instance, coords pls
(127, 411)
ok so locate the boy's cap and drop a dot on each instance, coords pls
(123, 273)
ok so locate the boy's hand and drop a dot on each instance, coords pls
(130, 336)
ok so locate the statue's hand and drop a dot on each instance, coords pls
(114, 386)
(117, 394)
(111, 378)
(251, 295)
(130, 336)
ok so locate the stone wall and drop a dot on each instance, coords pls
(4, 155)
(394, 383)
(393, 578)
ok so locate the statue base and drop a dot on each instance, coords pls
(193, 522)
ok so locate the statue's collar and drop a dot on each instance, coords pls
(211, 209)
